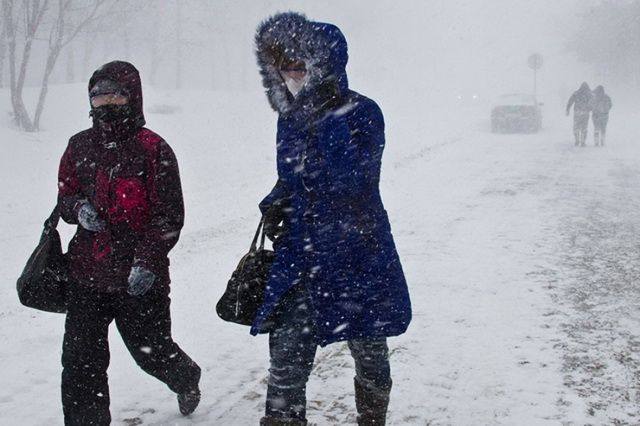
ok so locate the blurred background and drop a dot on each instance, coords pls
(410, 52)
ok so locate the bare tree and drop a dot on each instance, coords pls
(87, 52)
(70, 75)
(65, 19)
(609, 39)
(154, 46)
(31, 12)
(179, 43)
(126, 42)
(101, 41)
(3, 51)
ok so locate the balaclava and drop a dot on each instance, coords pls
(111, 119)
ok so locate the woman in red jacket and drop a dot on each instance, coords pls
(120, 183)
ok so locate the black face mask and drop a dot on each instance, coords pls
(112, 114)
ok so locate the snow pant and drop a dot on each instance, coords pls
(600, 127)
(580, 126)
(145, 326)
(292, 348)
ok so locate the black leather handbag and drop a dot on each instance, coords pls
(44, 280)
(245, 290)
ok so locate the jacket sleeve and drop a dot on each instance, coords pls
(572, 100)
(280, 194)
(69, 192)
(166, 210)
(277, 197)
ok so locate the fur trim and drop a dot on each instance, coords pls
(321, 46)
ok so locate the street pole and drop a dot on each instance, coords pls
(535, 63)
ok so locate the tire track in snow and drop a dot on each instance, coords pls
(595, 285)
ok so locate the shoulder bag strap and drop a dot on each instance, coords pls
(255, 237)
(54, 218)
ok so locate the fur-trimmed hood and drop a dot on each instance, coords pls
(321, 46)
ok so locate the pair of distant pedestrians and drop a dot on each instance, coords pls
(585, 102)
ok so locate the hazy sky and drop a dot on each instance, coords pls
(428, 45)
(408, 48)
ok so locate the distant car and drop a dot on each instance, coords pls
(516, 113)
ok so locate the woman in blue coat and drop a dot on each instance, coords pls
(337, 276)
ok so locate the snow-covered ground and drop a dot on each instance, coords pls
(520, 253)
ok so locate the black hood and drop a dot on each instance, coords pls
(321, 46)
(584, 88)
(127, 77)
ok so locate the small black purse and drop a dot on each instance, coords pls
(245, 290)
(44, 279)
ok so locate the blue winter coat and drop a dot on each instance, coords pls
(338, 243)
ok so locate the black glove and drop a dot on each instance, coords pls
(272, 222)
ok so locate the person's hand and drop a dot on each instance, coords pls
(272, 219)
(140, 280)
(89, 219)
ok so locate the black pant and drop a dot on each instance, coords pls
(145, 326)
(292, 348)
(600, 127)
(580, 126)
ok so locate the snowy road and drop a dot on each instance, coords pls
(520, 252)
(594, 281)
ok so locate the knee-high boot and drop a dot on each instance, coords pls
(275, 421)
(371, 404)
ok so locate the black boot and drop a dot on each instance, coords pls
(372, 405)
(87, 416)
(275, 421)
(188, 401)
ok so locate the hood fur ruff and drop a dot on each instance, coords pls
(321, 46)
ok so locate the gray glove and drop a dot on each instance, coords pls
(140, 280)
(89, 219)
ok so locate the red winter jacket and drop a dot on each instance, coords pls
(132, 180)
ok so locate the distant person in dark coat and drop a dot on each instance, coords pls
(601, 105)
(119, 182)
(581, 102)
(337, 275)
